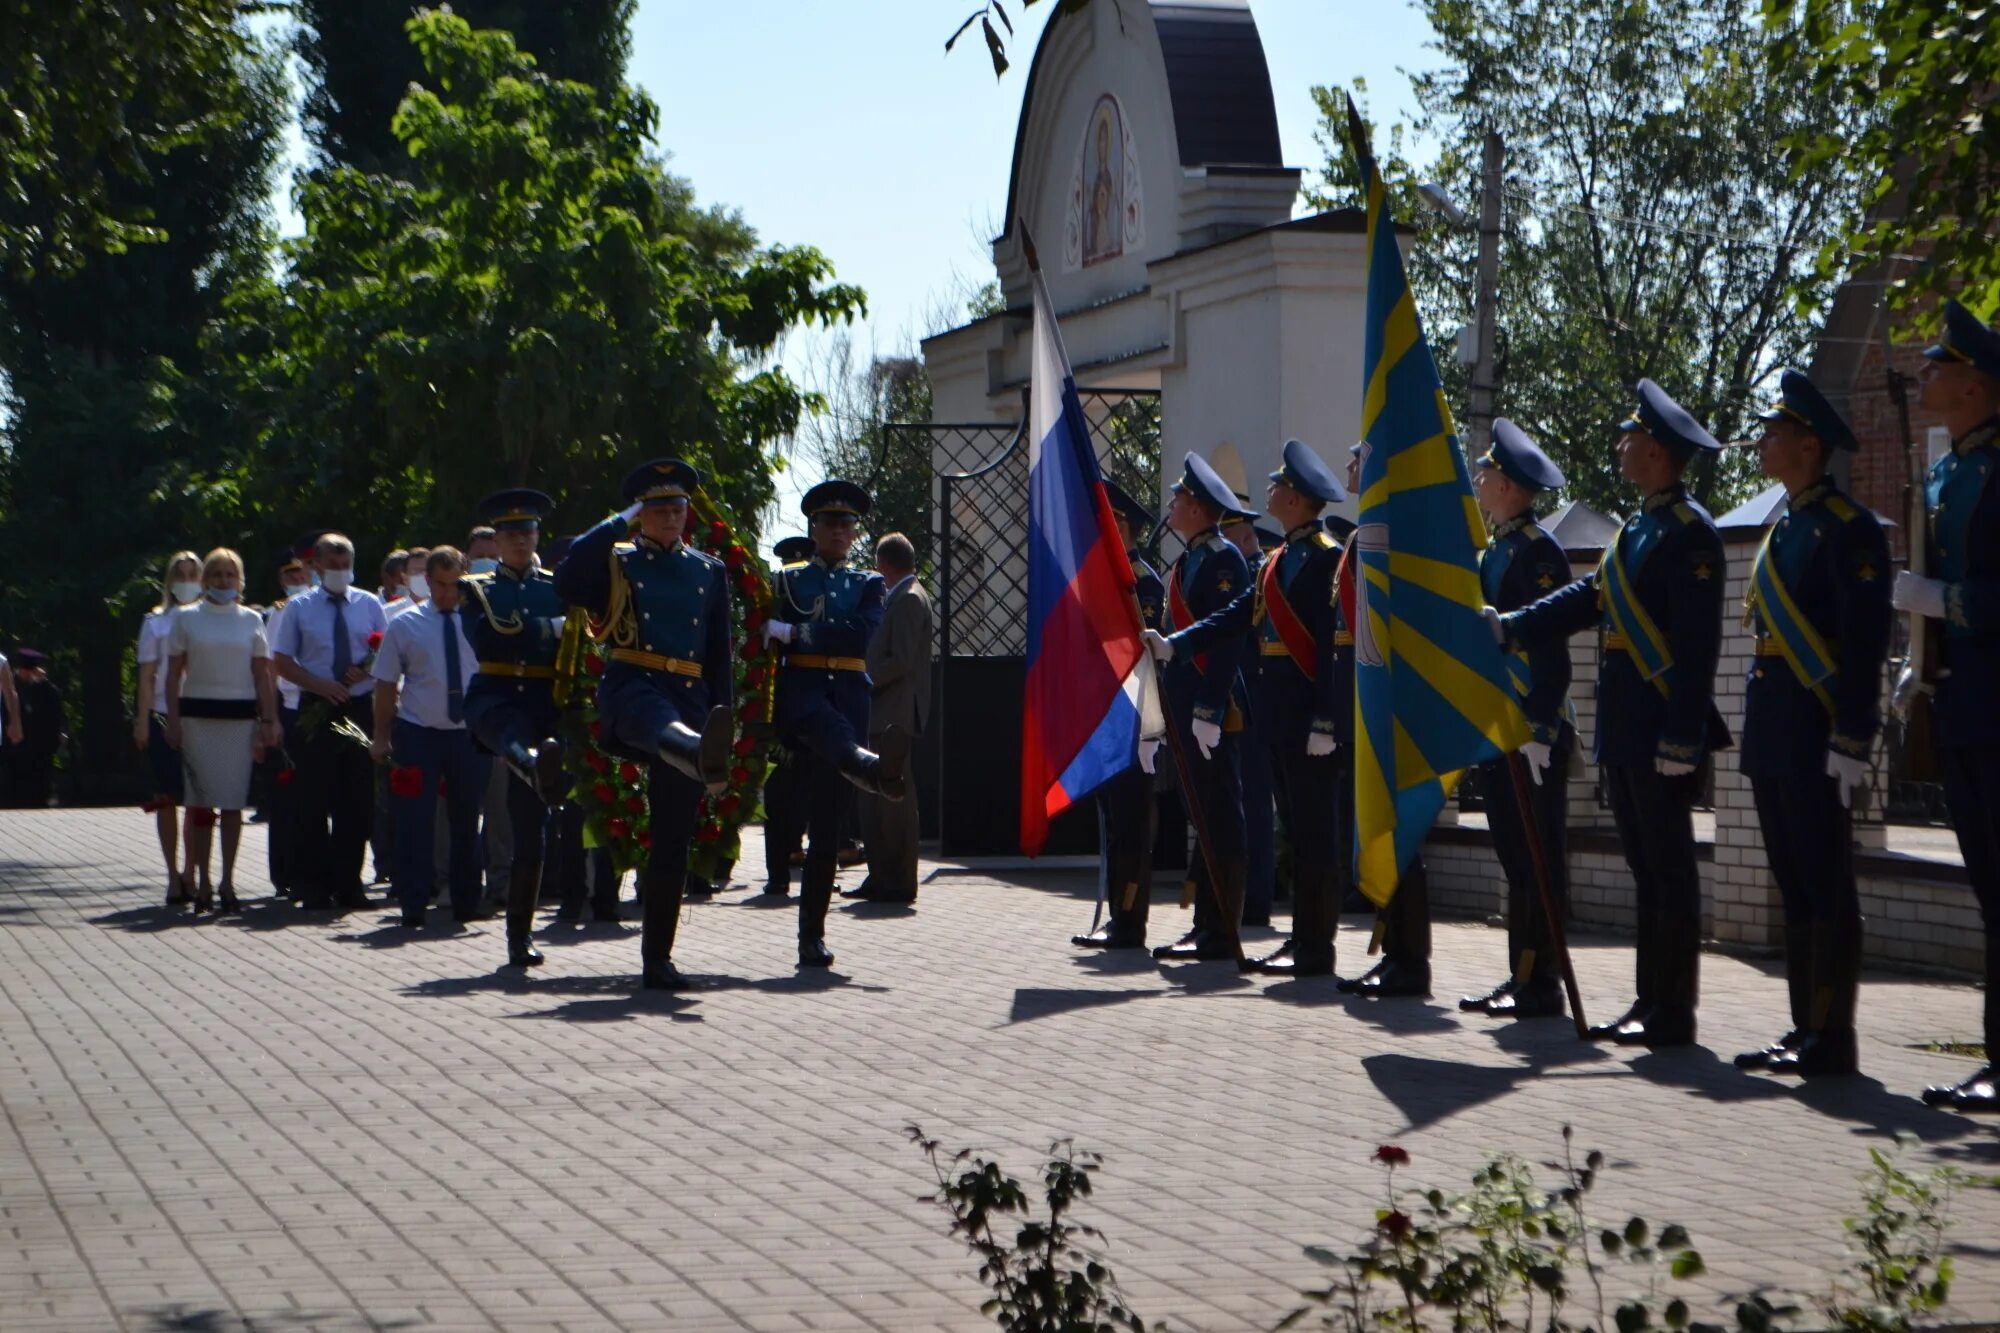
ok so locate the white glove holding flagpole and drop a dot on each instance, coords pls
(1207, 735)
(1493, 623)
(1537, 755)
(1319, 745)
(1671, 768)
(1919, 595)
(1162, 647)
(1848, 773)
(1149, 755)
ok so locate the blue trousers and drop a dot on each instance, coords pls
(447, 755)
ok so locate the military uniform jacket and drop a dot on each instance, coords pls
(1151, 592)
(835, 610)
(514, 621)
(1292, 625)
(1208, 576)
(1521, 565)
(1964, 500)
(1819, 605)
(663, 613)
(1662, 581)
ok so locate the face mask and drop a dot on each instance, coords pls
(337, 580)
(296, 589)
(186, 592)
(223, 596)
(485, 564)
(313, 578)
(420, 587)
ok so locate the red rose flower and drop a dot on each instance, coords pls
(754, 621)
(1391, 1155)
(1396, 1224)
(751, 650)
(604, 794)
(744, 745)
(636, 803)
(596, 730)
(749, 711)
(739, 776)
(729, 805)
(375, 641)
(598, 761)
(735, 557)
(593, 664)
(645, 839)
(709, 833)
(629, 771)
(406, 781)
(718, 532)
(755, 680)
(617, 827)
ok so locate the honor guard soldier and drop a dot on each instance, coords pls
(784, 826)
(514, 621)
(1656, 600)
(824, 613)
(1962, 389)
(1290, 616)
(662, 607)
(1125, 807)
(1521, 564)
(1204, 698)
(1819, 605)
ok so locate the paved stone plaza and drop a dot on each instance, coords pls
(290, 1121)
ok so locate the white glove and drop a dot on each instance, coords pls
(1848, 773)
(1161, 646)
(631, 511)
(1207, 735)
(1908, 687)
(1149, 755)
(1914, 592)
(1537, 755)
(1493, 623)
(1671, 768)
(1319, 745)
(779, 630)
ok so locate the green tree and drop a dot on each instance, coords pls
(542, 304)
(96, 91)
(103, 367)
(360, 65)
(855, 437)
(1930, 71)
(1653, 224)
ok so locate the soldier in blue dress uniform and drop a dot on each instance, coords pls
(1819, 603)
(1204, 697)
(1290, 616)
(1962, 389)
(514, 621)
(1253, 764)
(662, 607)
(1656, 601)
(1125, 808)
(784, 829)
(825, 612)
(1521, 564)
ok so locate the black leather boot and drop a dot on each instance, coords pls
(701, 755)
(1799, 987)
(660, 894)
(1831, 1049)
(814, 894)
(524, 891)
(879, 772)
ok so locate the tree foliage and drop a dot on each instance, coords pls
(96, 92)
(1930, 71)
(856, 437)
(1653, 223)
(538, 302)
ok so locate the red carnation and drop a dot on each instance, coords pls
(734, 557)
(645, 839)
(406, 781)
(602, 791)
(744, 745)
(1391, 1155)
(617, 827)
(748, 712)
(718, 531)
(629, 771)
(597, 761)
(729, 805)
(753, 621)
(636, 803)
(751, 650)
(286, 777)
(739, 776)
(375, 641)
(755, 680)
(709, 833)
(596, 730)
(593, 664)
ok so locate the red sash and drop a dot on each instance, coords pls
(1292, 632)
(1343, 583)
(1179, 617)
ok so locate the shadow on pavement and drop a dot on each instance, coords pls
(191, 1319)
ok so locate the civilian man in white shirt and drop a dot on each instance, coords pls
(421, 674)
(323, 648)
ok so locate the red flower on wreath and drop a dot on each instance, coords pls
(755, 680)
(596, 730)
(599, 761)
(604, 794)
(735, 557)
(745, 745)
(406, 781)
(751, 650)
(718, 532)
(629, 771)
(728, 806)
(709, 833)
(636, 803)
(754, 621)
(645, 839)
(739, 776)
(750, 710)
(593, 664)
(617, 827)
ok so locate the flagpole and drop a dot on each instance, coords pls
(1517, 767)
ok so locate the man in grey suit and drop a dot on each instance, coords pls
(899, 674)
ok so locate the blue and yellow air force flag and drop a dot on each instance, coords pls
(1432, 696)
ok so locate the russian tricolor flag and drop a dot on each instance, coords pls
(1091, 692)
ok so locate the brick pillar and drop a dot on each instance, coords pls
(1742, 898)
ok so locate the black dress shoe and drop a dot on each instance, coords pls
(1826, 1054)
(1632, 1020)
(773, 889)
(1528, 1002)
(866, 894)
(1980, 1096)
(814, 953)
(1947, 1094)
(570, 912)
(663, 975)
(1185, 942)
(1761, 1058)
(467, 918)
(523, 953)
(1271, 965)
(1393, 980)
(1260, 919)
(413, 920)
(1661, 1029)
(1482, 1004)
(1110, 937)
(861, 890)
(607, 913)
(1353, 985)
(1213, 949)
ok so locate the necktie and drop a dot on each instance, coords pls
(343, 657)
(454, 684)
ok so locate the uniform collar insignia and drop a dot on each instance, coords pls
(1304, 531)
(1986, 433)
(1513, 525)
(1811, 495)
(1672, 495)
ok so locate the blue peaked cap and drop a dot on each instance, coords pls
(1800, 400)
(1520, 459)
(1967, 339)
(1669, 423)
(1203, 483)
(1307, 473)
(1126, 507)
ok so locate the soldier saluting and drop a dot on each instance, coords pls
(663, 609)
(1656, 601)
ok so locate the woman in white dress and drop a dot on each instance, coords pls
(222, 710)
(180, 585)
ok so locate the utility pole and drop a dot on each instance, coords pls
(1487, 301)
